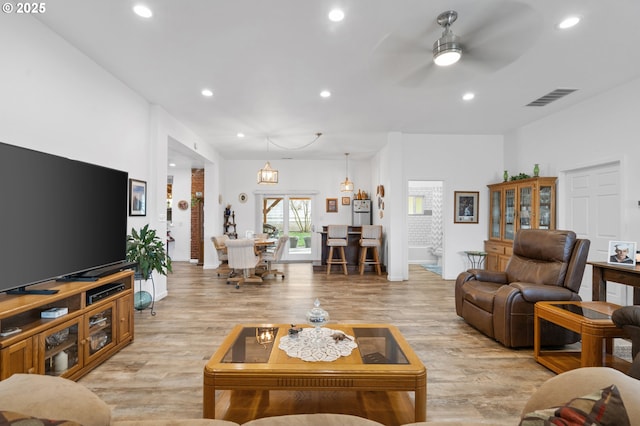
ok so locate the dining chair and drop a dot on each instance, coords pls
(371, 236)
(274, 256)
(337, 237)
(219, 243)
(242, 256)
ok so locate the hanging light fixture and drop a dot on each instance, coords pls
(347, 185)
(267, 175)
(447, 50)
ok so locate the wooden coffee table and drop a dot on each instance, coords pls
(592, 320)
(383, 361)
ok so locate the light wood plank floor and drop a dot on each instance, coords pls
(469, 376)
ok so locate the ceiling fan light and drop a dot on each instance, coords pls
(447, 49)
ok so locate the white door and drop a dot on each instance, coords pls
(593, 206)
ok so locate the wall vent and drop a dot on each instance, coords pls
(551, 96)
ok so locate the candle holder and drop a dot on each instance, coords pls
(265, 335)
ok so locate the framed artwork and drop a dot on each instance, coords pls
(137, 197)
(465, 207)
(332, 205)
(346, 201)
(622, 252)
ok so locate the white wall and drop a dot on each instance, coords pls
(314, 176)
(463, 163)
(56, 100)
(593, 132)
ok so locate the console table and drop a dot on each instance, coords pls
(603, 272)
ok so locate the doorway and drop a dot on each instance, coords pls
(593, 205)
(424, 223)
(289, 214)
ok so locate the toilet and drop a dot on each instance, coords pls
(437, 252)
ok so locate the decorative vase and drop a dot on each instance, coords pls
(505, 176)
(536, 170)
(142, 300)
(317, 317)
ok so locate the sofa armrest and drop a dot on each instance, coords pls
(53, 397)
(533, 293)
(564, 387)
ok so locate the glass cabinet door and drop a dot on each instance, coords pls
(509, 213)
(496, 214)
(61, 354)
(525, 207)
(101, 330)
(546, 219)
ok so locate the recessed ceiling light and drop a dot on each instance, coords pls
(206, 92)
(142, 11)
(240, 135)
(569, 22)
(325, 93)
(468, 96)
(336, 15)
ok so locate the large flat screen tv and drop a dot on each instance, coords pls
(59, 217)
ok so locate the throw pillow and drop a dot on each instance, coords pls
(601, 408)
(8, 418)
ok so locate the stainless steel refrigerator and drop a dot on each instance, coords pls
(361, 212)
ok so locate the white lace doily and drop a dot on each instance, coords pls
(308, 346)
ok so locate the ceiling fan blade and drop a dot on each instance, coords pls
(397, 56)
(500, 35)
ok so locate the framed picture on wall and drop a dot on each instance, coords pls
(622, 253)
(332, 205)
(465, 207)
(137, 197)
(346, 201)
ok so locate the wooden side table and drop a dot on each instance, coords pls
(592, 320)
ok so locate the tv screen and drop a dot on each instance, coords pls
(58, 217)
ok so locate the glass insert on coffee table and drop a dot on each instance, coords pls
(380, 360)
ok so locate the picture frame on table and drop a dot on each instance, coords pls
(137, 197)
(346, 201)
(465, 209)
(622, 253)
(332, 205)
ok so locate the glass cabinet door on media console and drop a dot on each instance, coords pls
(101, 331)
(60, 351)
(515, 205)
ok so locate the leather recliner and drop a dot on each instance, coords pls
(546, 265)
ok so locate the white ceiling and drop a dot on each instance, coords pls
(267, 61)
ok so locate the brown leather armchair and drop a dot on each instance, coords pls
(545, 265)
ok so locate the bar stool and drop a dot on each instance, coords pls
(337, 237)
(371, 236)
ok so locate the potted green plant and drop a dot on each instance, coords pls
(147, 249)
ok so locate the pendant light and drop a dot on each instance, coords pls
(267, 175)
(347, 185)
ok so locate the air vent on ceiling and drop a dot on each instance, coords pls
(551, 96)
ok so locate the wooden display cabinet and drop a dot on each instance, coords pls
(515, 205)
(70, 345)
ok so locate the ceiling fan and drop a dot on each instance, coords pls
(487, 38)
